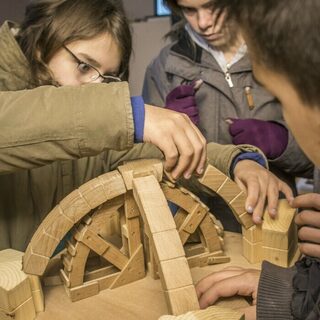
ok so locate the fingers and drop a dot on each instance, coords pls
(220, 21)
(286, 190)
(244, 283)
(309, 200)
(308, 218)
(310, 249)
(192, 155)
(309, 234)
(273, 197)
(203, 285)
(255, 200)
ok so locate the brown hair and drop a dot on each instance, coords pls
(285, 37)
(49, 24)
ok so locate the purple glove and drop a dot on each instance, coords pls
(270, 137)
(182, 99)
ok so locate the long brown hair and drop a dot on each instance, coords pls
(49, 24)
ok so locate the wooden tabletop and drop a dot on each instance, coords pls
(140, 300)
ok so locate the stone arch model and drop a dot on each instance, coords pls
(115, 216)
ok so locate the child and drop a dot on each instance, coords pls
(55, 108)
(211, 49)
(283, 40)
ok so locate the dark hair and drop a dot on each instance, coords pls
(50, 24)
(284, 36)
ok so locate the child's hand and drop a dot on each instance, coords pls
(229, 282)
(308, 222)
(182, 143)
(260, 185)
(182, 99)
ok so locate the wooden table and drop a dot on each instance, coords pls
(140, 300)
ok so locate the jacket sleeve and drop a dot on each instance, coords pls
(46, 124)
(275, 292)
(293, 160)
(220, 156)
(155, 82)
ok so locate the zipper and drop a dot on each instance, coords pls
(228, 76)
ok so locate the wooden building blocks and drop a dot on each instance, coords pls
(21, 296)
(275, 241)
(122, 218)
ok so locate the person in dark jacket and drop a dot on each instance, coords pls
(229, 106)
(283, 40)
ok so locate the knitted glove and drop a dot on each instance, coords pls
(182, 99)
(270, 137)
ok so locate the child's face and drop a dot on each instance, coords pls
(208, 22)
(302, 119)
(71, 65)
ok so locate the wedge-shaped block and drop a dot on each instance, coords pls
(228, 190)
(175, 273)
(213, 178)
(140, 168)
(182, 300)
(237, 204)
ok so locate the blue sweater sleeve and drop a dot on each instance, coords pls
(254, 156)
(138, 117)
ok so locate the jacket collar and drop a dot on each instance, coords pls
(186, 48)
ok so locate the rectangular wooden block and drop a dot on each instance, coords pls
(152, 204)
(164, 244)
(213, 178)
(252, 251)
(175, 273)
(253, 234)
(228, 190)
(182, 300)
(281, 232)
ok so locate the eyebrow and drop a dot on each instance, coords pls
(89, 59)
(204, 6)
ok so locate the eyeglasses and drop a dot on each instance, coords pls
(88, 73)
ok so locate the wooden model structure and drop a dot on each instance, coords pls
(105, 217)
(275, 240)
(21, 296)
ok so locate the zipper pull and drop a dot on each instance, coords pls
(228, 77)
(249, 97)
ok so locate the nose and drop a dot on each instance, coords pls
(204, 19)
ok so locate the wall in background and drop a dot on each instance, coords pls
(12, 10)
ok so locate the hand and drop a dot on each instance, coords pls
(270, 137)
(259, 183)
(227, 283)
(308, 222)
(178, 138)
(182, 99)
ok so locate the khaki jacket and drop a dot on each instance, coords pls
(183, 61)
(52, 140)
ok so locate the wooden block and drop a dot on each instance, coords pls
(164, 244)
(237, 204)
(202, 259)
(228, 190)
(253, 234)
(175, 273)
(152, 204)
(182, 300)
(213, 178)
(37, 293)
(280, 232)
(140, 168)
(132, 271)
(279, 257)
(210, 235)
(252, 251)
(84, 291)
(218, 260)
(194, 218)
(103, 188)
(246, 220)
(130, 206)
(33, 263)
(20, 296)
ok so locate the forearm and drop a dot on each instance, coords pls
(46, 124)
